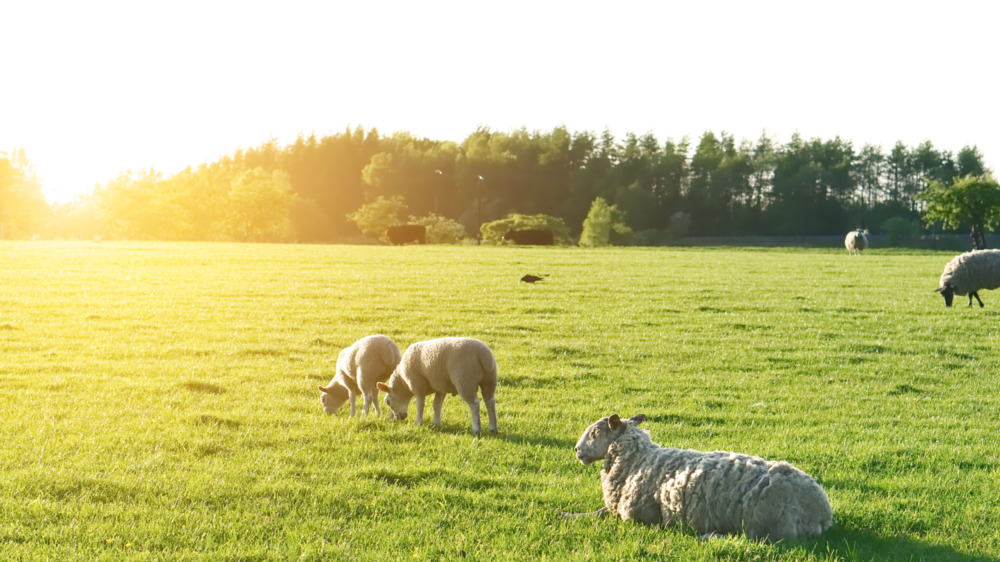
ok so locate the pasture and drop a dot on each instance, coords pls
(160, 402)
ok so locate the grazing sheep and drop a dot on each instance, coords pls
(968, 273)
(856, 241)
(441, 367)
(360, 367)
(717, 492)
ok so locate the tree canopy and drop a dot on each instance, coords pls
(970, 201)
(718, 185)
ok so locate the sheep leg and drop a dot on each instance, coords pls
(491, 411)
(420, 409)
(438, 402)
(975, 294)
(352, 395)
(370, 400)
(474, 410)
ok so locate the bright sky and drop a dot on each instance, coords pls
(92, 89)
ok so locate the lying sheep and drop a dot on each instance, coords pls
(856, 241)
(968, 273)
(360, 367)
(441, 367)
(717, 492)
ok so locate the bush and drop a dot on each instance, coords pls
(901, 231)
(680, 225)
(374, 217)
(440, 230)
(493, 232)
(600, 222)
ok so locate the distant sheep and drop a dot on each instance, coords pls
(717, 492)
(444, 366)
(360, 367)
(532, 236)
(856, 241)
(968, 273)
(406, 234)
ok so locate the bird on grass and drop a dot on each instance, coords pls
(532, 278)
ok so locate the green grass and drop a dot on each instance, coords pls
(159, 401)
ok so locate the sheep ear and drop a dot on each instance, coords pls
(637, 419)
(614, 421)
(324, 389)
(383, 387)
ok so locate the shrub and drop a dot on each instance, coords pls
(493, 232)
(600, 222)
(440, 230)
(901, 231)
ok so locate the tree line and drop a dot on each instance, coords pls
(308, 190)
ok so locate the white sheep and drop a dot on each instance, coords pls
(968, 273)
(441, 367)
(855, 241)
(360, 367)
(717, 492)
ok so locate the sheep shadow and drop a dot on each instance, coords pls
(452, 428)
(859, 544)
(551, 442)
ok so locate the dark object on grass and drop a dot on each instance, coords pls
(532, 278)
(531, 237)
(406, 234)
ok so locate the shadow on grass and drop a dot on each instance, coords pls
(447, 478)
(858, 544)
(686, 419)
(520, 439)
(207, 388)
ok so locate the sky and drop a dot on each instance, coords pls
(93, 89)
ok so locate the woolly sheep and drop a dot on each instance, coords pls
(717, 492)
(360, 367)
(968, 273)
(441, 367)
(856, 241)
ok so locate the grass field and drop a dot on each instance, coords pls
(159, 401)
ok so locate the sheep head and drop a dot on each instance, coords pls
(948, 292)
(397, 396)
(333, 397)
(593, 444)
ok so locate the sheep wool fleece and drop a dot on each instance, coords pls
(716, 492)
(972, 271)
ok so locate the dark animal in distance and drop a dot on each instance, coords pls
(406, 234)
(531, 237)
(532, 278)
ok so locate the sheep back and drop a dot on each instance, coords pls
(373, 354)
(453, 365)
(715, 492)
(972, 271)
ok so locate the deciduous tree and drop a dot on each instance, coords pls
(971, 202)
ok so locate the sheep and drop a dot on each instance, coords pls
(968, 273)
(366, 362)
(856, 241)
(713, 493)
(441, 367)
